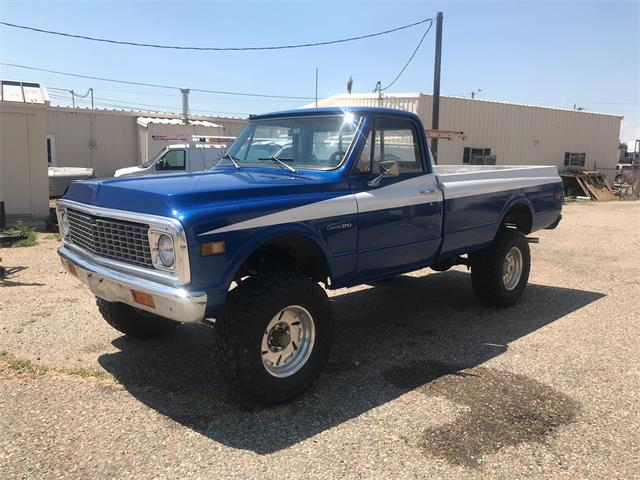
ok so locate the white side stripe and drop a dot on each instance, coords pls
(414, 191)
(343, 205)
(468, 188)
(400, 194)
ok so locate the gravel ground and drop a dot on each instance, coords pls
(424, 382)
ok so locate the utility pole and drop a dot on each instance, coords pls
(73, 98)
(435, 118)
(378, 89)
(316, 87)
(91, 90)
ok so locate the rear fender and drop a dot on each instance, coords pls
(515, 200)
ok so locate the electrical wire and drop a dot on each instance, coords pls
(217, 49)
(107, 102)
(77, 95)
(152, 85)
(430, 20)
(172, 95)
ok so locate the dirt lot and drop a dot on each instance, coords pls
(424, 382)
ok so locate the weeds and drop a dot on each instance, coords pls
(28, 232)
(23, 366)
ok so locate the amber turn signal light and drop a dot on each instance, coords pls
(211, 248)
(72, 269)
(143, 299)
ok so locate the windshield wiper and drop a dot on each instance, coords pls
(228, 156)
(286, 166)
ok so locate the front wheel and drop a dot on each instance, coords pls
(274, 337)
(499, 273)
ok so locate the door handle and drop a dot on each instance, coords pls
(427, 191)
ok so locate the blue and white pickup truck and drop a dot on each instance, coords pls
(304, 198)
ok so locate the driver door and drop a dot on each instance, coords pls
(400, 217)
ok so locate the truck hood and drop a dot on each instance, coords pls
(129, 171)
(175, 195)
(71, 172)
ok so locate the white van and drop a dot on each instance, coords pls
(178, 158)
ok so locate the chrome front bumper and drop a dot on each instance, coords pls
(170, 302)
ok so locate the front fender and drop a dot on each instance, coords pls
(264, 235)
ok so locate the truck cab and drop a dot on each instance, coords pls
(179, 158)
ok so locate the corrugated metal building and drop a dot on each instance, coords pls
(24, 186)
(35, 134)
(512, 133)
(107, 140)
(156, 133)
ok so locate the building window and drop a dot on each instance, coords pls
(572, 159)
(478, 156)
(51, 150)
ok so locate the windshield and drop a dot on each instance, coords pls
(148, 162)
(313, 143)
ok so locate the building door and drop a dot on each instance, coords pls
(16, 168)
(51, 150)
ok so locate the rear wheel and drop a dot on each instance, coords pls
(274, 337)
(499, 273)
(133, 322)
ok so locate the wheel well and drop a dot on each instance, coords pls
(287, 252)
(519, 216)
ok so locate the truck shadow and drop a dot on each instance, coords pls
(398, 336)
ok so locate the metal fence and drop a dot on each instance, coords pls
(625, 180)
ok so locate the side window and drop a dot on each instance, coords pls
(391, 140)
(172, 160)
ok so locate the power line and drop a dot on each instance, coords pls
(430, 20)
(218, 49)
(107, 102)
(152, 85)
(207, 96)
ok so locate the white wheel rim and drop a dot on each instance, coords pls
(287, 341)
(512, 268)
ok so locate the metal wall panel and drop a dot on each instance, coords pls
(23, 159)
(516, 134)
(107, 140)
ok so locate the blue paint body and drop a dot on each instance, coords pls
(375, 244)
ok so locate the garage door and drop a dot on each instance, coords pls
(15, 168)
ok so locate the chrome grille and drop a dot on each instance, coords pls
(116, 239)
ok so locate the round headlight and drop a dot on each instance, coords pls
(166, 253)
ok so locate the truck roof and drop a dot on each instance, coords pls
(185, 146)
(334, 111)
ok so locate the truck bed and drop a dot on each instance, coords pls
(475, 197)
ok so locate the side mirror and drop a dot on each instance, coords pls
(388, 168)
(160, 164)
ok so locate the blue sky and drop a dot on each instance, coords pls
(542, 53)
